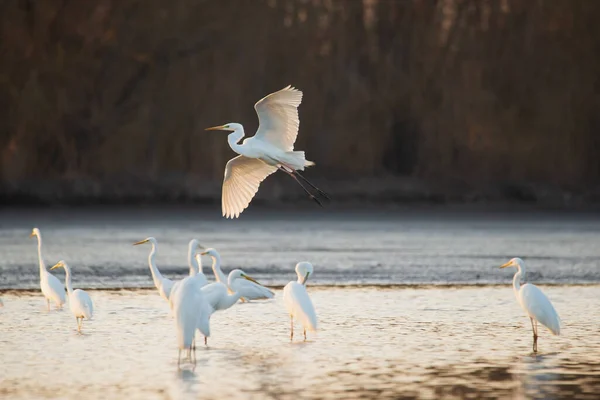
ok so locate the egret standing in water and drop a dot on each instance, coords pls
(80, 302)
(249, 289)
(52, 288)
(535, 303)
(164, 285)
(298, 303)
(191, 312)
(270, 149)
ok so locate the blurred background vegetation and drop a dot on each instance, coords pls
(420, 100)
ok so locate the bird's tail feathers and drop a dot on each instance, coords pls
(297, 160)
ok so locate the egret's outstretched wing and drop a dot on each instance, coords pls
(250, 290)
(243, 175)
(278, 118)
(538, 306)
(298, 304)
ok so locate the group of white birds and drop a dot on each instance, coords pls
(193, 300)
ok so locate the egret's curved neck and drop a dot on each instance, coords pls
(300, 278)
(231, 298)
(156, 276)
(40, 258)
(199, 264)
(234, 137)
(216, 267)
(194, 269)
(517, 279)
(68, 279)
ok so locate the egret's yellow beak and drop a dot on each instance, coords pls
(57, 265)
(305, 278)
(508, 264)
(250, 279)
(141, 242)
(31, 234)
(216, 128)
(204, 253)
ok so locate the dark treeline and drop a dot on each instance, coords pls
(111, 96)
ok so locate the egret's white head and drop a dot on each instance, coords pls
(210, 252)
(230, 127)
(60, 264)
(148, 239)
(304, 269)
(239, 274)
(35, 232)
(515, 262)
(194, 245)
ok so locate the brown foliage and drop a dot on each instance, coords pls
(479, 90)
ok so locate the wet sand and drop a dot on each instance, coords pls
(468, 342)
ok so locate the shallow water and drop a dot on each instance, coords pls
(346, 247)
(469, 342)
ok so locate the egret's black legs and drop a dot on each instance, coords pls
(310, 195)
(322, 193)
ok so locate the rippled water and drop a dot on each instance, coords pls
(402, 247)
(373, 342)
(387, 327)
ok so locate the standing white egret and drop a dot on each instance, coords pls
(191, 312)
(270, 149)
(248, 289)
(218, 295)
(535, 303)
(80, 302)
(164, 285)
(298, 303)
(52, 288)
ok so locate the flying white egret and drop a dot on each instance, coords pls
(164, 285)
(191, 312)
(535, 303)
(52, 288)
(248, 289)
(298, 303)
(80, 302)
(270, 149)
(218, 295)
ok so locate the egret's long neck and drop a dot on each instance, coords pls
(156, 276)
(216, 267)
(300, 278)
(234, 137)
(68, 280)
(199, 264)
(40, 258)
(517, 280)
(231, 298)
(192, 261)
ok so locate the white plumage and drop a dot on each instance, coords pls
(249, 289)
(271, 148)
(191, 312)
(164, 285)
(534, 302)
(297, 301)
(80, 302)
(52, 288)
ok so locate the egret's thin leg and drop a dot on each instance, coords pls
(305, 334)
(291, 328)
(321, 192)
(535, 336)
(48, 304)
(310, 195)
(295, 172)
(178, 358)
